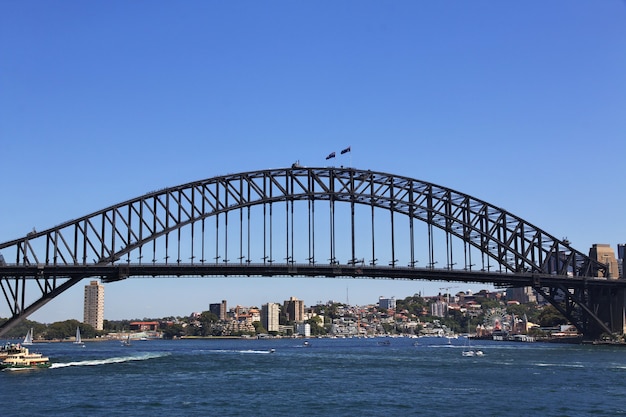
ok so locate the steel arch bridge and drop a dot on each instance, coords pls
(331, 222)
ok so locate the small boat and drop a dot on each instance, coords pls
(468, 350)
(28, 339)
(307, 343)
(23, 359)
(78, 340)
(472, 352)
(126, 342)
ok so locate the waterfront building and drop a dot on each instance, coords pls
(439, 308)
(294, 309)
(269, 317)
(387, 303)
(255, 314)
(94, 305)
(144, 326)
(219, 309)
(304, 329)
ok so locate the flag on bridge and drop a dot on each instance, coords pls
(331, 155)
(345, 150)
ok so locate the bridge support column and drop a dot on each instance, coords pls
(609, 304)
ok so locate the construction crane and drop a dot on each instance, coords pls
(447, 292)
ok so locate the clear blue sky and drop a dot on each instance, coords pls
(521, 104)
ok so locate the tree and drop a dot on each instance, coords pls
(414, 305)
(173, 331)
(317, 326)
(486, 303)
(63, 329)
(207, 321)
(20, 330)
(529, 309)
(550, 317)
(258, 327)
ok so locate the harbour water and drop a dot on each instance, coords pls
(338, 377)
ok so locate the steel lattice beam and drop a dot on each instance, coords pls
(174, 225)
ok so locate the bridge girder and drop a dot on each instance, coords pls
(153, 224)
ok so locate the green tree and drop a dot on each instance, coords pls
(413, 305)
(530, 310)
(20, 330)
(207, 321)
(258, 327)
(63, 329)
(317, 326)
(486, 303)
(550, 316)
(173, 331)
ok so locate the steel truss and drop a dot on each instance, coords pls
(169, 228)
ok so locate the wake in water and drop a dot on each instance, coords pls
(241, 351)
(120, 359)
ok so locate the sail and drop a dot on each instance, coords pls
(468, 350)
(78, 340)
(28, 339)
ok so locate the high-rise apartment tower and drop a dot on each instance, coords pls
(269, 317)
(94, 305)
(294, 309)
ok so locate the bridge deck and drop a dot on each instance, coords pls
(118, 272)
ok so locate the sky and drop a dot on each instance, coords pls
(520, 104)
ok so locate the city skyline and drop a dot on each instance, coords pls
(519, 105)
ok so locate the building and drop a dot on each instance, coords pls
(439, 308)
(144, 326)
(604, 254)
(304, 329)
(387, 303)
(269, 317)
(522, 295)
(621, 250)
(94, 305)
(219, 309)
(294, 309)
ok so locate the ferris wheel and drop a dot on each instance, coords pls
(496, 319)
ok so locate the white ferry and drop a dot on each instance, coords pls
(20, 358)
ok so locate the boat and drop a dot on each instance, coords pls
(8, 349)
(126, 342)
(28, 339)
(78, 340)
(468, 350)
(24, 359)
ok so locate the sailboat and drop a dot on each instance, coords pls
(78, 340)
(468, 350)
(126, 342)
(28, 339)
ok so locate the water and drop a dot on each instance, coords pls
(339, 377)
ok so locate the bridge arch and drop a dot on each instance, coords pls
(511, 242)
(174, 226)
